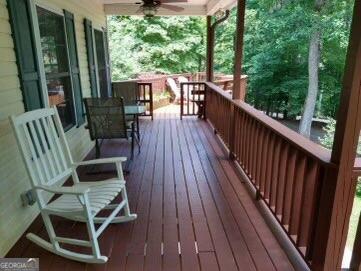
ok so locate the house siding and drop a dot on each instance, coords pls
(14, 218)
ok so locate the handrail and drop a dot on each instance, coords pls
(357, 167)
(287, 170)
(219, 90)
(288, 134)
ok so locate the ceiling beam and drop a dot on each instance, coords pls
(131, 9)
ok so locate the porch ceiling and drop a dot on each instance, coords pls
(192, 7)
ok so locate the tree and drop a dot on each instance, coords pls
(313, 71)
(160, 44)
(276, 50)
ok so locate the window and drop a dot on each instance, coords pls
(101, 63)
(26, 54)
(56, 65)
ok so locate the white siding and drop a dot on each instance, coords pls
(14, 219)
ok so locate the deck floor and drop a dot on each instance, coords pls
(194, 213)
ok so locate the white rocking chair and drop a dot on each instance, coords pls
(49, 163)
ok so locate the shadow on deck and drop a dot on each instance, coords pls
(194, 213)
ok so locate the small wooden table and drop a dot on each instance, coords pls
(134, 109)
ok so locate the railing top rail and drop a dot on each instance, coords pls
(316, 151)
(219, 90)
(357, 167)
(192, 83)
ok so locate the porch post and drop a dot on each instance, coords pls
(338, 187)
(210, 50)
(211, 32)
(238, 92)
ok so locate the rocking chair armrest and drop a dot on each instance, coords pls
(101, 161)
(70, 190)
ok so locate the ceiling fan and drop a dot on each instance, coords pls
(150, 7)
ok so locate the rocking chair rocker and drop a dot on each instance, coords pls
(49, 163)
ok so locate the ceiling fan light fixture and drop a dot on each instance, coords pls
(149, 11)
(220, 13)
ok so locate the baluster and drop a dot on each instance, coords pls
(284, 161)
(269, 164)
(297, 194)
(308, 202)
(259, 156)
(256, 148)
(287, 200)
(264, 161)
(275, 174)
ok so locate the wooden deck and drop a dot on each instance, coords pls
(194, 213)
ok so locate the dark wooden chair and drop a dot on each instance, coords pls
(106, 120)
(135, 92)
(129, 91)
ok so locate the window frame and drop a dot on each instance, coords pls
(59, 12)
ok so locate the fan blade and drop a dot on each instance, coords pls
(172, 8)
(173, 1)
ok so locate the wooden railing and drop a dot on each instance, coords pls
(191, 92)
(286, 170)
(145, 94)
(220, 117)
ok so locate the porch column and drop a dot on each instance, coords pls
(338, 187)
(211, 33)
(238, 90)
(210, 50)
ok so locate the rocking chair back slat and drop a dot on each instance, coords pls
(31, 158)
(68, 158)
(54, 154)
(45, 135)
(43, 143)
(58, 149)
(40, 149)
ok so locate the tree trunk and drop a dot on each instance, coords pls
(313, 63)
(314, 56)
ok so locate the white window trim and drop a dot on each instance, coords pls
(39, 52)
(48, 7)
(34, 4)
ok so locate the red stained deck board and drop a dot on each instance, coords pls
(171, 257)
(235, 209)
(276, 254)
(208, 261)
(187, 194)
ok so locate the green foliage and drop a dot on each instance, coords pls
(327, 142)
(327, 139)
(276, 45)
(276, 42)
(162, 95)
(160, 44)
